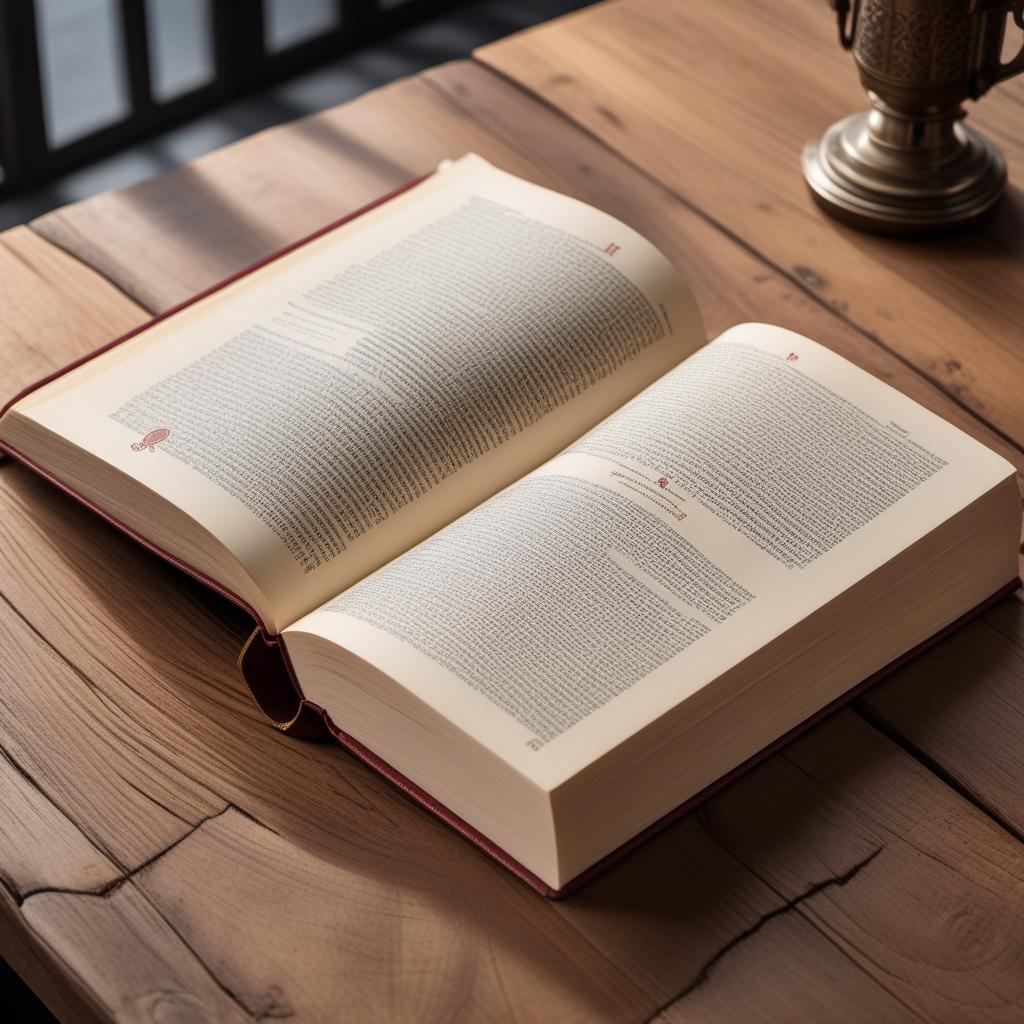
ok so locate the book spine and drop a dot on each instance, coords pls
(268, 674)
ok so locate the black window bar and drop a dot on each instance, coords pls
(243, 58)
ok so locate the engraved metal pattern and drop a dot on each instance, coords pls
(951, 56)
(923, 43)
(910, 165)
(871, 43)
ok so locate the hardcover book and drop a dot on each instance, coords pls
(510, 526)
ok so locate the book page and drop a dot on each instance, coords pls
(731, 499)
(334, 408)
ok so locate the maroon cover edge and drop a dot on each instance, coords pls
(467, 831)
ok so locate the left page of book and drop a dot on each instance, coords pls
(333, 408)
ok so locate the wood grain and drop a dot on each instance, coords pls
(219, 861)
(163, 240)
(27, 954)
(128, 959)
(960, 708)
(716, 102)
(746, 983)
(54, 310)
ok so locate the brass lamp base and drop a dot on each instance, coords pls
(902, 174)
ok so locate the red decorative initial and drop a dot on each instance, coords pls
(611, 248)
(792, 357)
(152, 438)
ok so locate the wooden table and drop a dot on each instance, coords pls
(166, 856)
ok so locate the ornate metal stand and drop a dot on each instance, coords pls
(909, 165)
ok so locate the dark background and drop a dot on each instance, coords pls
(75, 45)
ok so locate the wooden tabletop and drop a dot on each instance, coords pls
(165, 855)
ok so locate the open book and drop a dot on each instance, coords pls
(531, 543)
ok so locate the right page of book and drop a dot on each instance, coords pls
(729, 500)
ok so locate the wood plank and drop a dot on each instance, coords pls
(746, 988)
(163, 240)
(61, 743)
(113, 770)
(127, 960)
(27, 954)
(55, 309)
(960, 707)
(717, 100)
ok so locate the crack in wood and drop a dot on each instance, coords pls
(15, 252)
(251, 817)
(89, 683)
(871, 717)
(452, 101)
(709, 965)
(114, 884)
(810, 919)
(152, 799)
(111, 704)
(94, 840)
(274, 1008)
